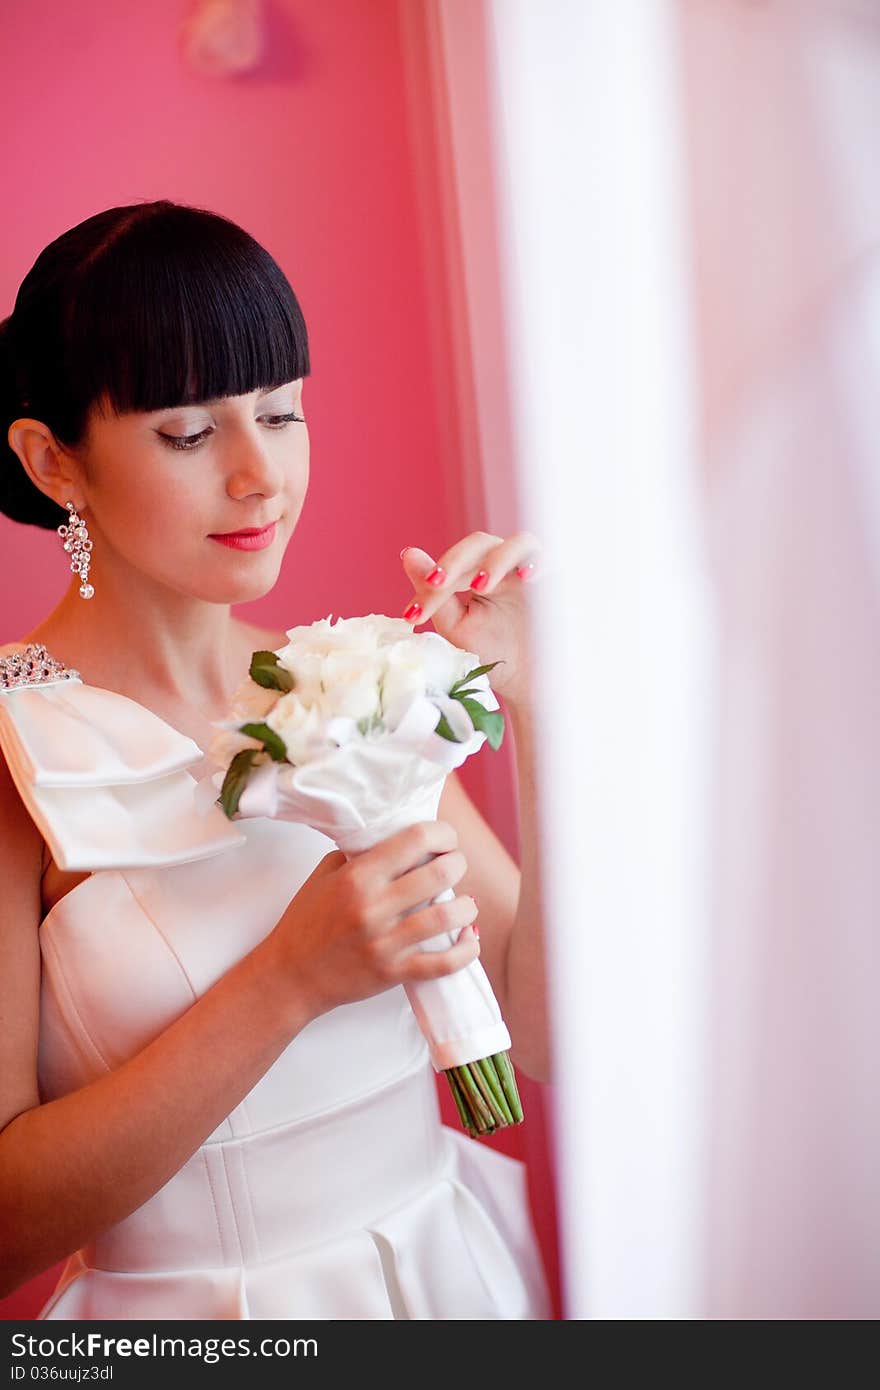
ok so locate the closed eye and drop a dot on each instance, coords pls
(192, 441)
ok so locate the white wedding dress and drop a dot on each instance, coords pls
(333, 1190)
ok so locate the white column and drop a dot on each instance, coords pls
(594, 263)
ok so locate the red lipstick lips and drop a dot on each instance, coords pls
(248, 539)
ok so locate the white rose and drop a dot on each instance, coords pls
(351, 684)
(307, 632)
(443, 663)
(306, 667)
(322, 656)
(387, 631)
(300, 726)
(251, 703)
(403, 681)
(364, 634)
(357, 668)
(324, 636)
(321, 636)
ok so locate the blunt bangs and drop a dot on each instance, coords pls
(174, 317)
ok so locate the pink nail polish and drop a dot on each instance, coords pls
(524, 570)
(414, 611)
(436, 577)
(476, 930)
(480, 579)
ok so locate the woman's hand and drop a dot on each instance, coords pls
(476, 593)
(352, 930)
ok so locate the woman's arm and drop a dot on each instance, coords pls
(71, 1167)
(74, 1166)
(510, 902)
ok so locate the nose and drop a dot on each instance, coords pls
(253, 466)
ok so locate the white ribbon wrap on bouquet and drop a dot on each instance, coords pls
(360, 794)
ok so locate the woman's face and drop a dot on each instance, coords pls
(159, 486)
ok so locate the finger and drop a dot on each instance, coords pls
(452, 917)
(423, 883)
(424, 575)
(476, 564)
(430, 965)
(448, 572)
(517, 553)
(417, 563)
(404, 850)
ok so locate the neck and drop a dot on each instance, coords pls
(146, 638)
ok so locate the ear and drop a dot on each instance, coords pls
(50, 467)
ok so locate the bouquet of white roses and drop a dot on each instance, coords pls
(352, 728)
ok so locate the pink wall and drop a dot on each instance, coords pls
(312, 153)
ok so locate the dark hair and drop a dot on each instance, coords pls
(144, 306)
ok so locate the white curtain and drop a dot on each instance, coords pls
(689, 220)
(783, 110)
(593, 247)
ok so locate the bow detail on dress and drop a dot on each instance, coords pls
(103, 777)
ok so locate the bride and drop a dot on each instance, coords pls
(214, 1100)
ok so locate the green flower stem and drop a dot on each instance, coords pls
(471, 1124)
(487, 1070)
(485, 1091)
(485, 1094)
(482, 1114)
(508, 1083)
(463, 1112)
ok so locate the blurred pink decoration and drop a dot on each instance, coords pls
(221, 37)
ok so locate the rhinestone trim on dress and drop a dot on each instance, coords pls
(33, 666)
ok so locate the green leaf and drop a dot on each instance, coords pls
(272, 742)
(477, 671)
(444, 730)
(266, 671)
(489, 722)
(236, 779)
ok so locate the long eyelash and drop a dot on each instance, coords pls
(191, 441)
(285, 418)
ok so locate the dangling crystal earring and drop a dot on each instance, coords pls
(77, 543)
